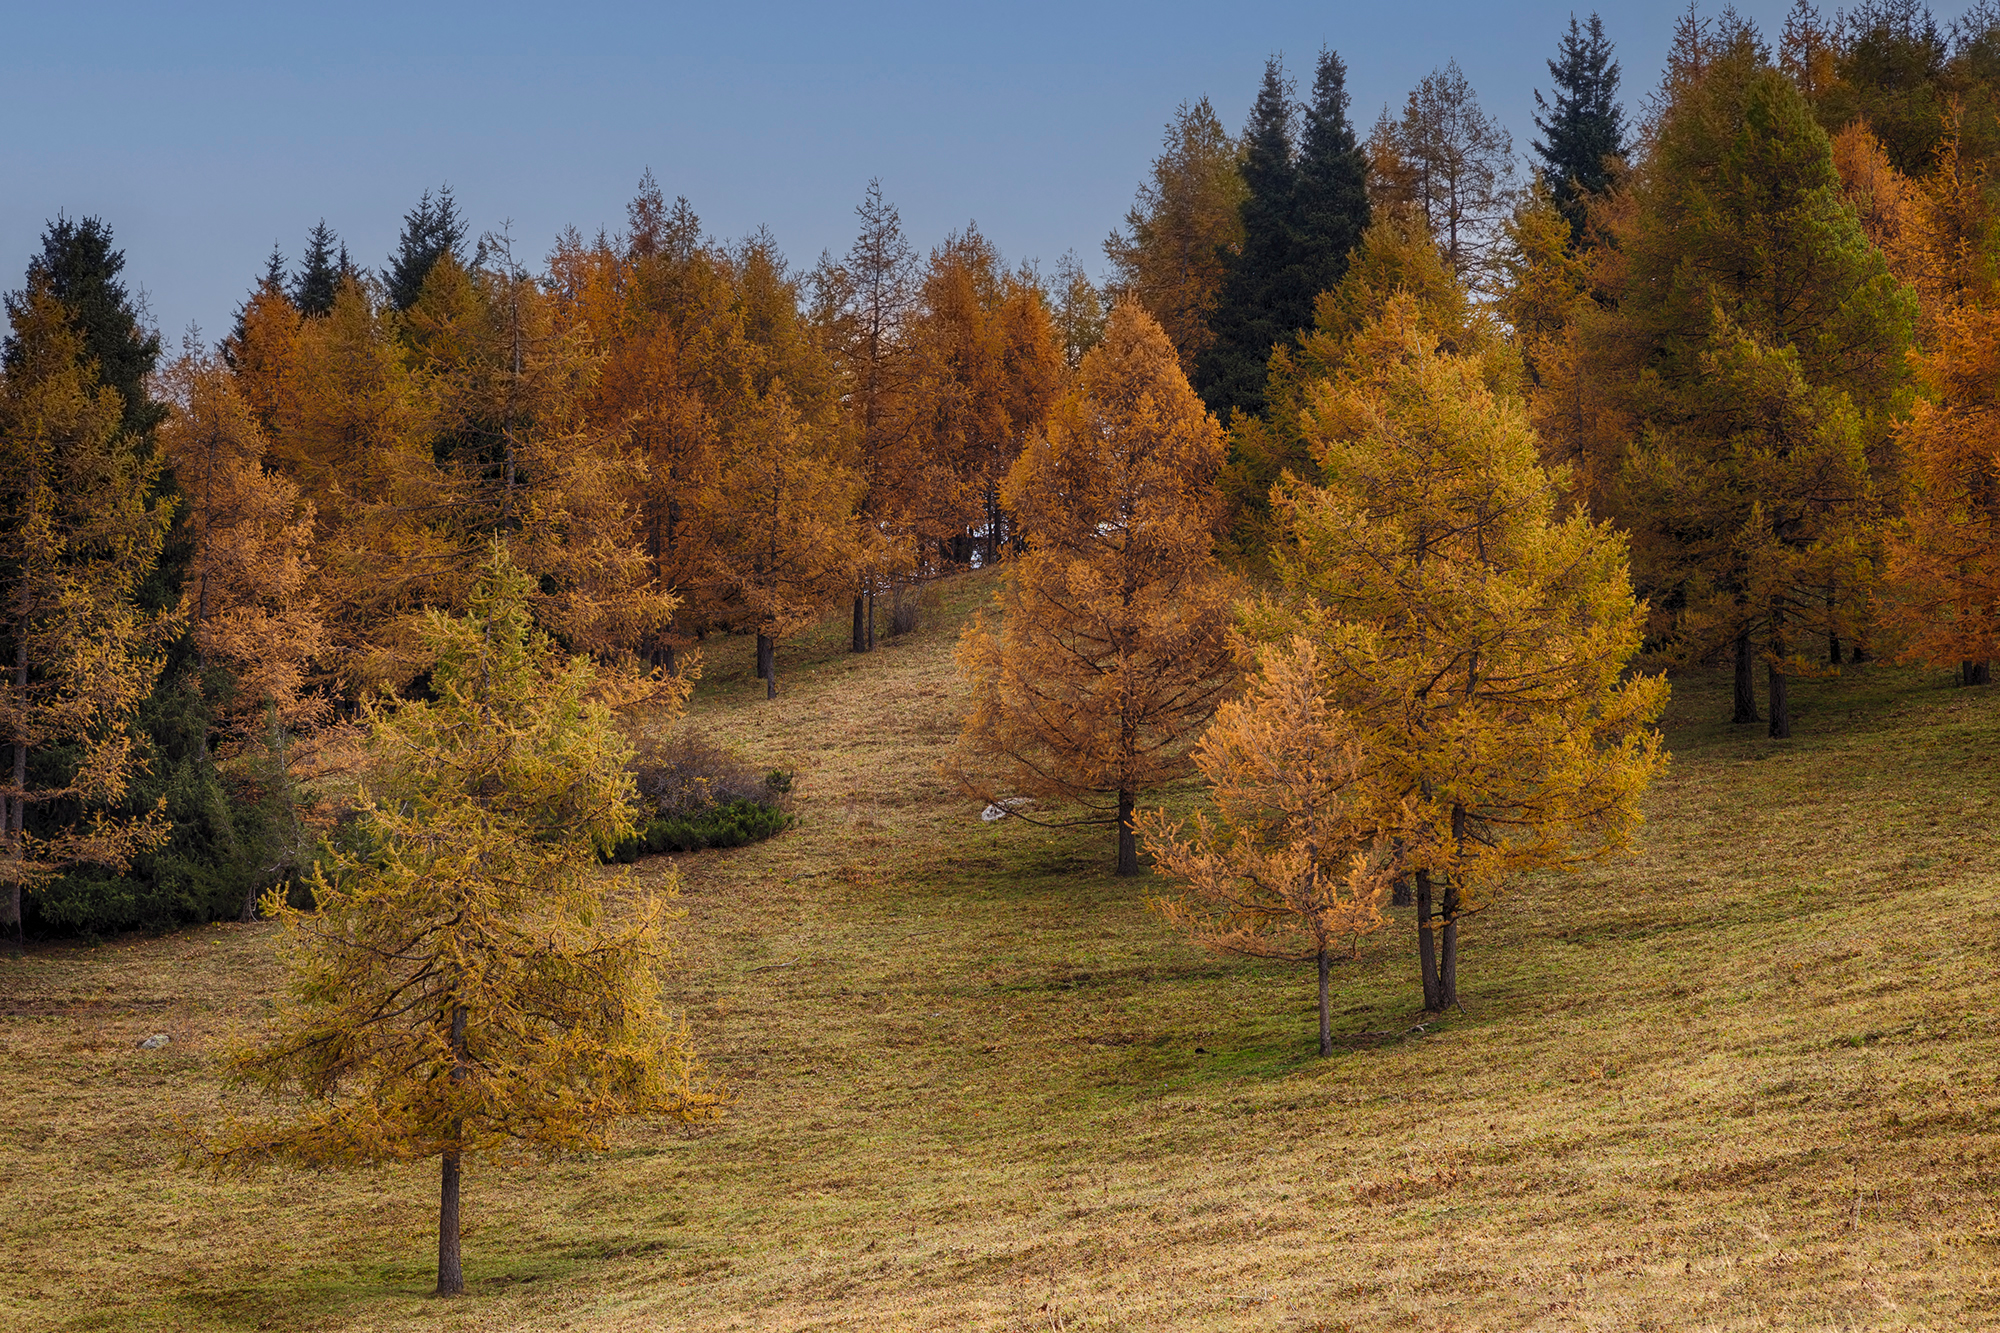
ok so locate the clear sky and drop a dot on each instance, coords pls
(203, 132)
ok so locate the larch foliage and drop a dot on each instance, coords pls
(459, 985)
(1110, 651)
(1475, 635)
(1294, 865)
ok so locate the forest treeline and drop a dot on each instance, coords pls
(1742, 339)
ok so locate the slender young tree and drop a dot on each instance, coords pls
(458, 986)
(1294, 865)
(1583, 129)
(1111, 650)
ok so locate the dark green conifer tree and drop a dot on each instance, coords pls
(1330, 197)
(1252, 315)
(320, 273)
(431, 230)
(1585, 125)
(82, 272)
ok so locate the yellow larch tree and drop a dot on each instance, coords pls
(1111, 648)
(1475, 635)
(459, 986)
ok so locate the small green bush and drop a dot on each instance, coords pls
(731, 824)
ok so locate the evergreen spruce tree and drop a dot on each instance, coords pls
(1252, 317)
(1585, 124)
(1330, 197)
(81, 270)
(431, 230)
(272, 281)
(321, 271)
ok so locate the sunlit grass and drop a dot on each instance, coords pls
(1745, 1080)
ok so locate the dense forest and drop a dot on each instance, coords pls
(1711, 383)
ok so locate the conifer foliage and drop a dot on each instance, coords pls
(455, 989)
(1110, 651)
(1583, 129)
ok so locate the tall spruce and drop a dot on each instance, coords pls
(1585, 125)
(1330, 196)
(81, 270)
(1253, 315)
(431, 230)
(320, 272)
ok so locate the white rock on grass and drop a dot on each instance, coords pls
(155, 1042)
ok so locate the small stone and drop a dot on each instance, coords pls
(155, 1042)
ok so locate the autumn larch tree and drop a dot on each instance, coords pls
(1295, 863)
(1173, 254)
(81, 526)
(1583, 129)
(1760, 340)
(1476, 636)
(458, 987)
(1110, 651)
(1459, 166)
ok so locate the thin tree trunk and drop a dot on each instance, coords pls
(1427, 943)
(1746, 682)
(1325, 1014)
(1447, 995)
(767, 664)
(871, 617)
(1781, 702)
(451, 1277)
(14, 814)
(860, 624)
(1832, 632)
(1128, 841)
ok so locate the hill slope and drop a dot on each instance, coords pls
(1746, 1080)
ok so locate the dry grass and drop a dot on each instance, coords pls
(1744, 1081)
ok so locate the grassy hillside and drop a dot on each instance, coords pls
(1745, 1080)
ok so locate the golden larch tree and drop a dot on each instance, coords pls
(1295, 864)
(1111, 649)
(458, 986)
(1476, 636)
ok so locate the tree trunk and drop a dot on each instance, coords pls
(1447, 995)
(451, 1277)
(1427, 943)
(1325, 1015)
(1746, 683)
(1781, 702)
(871, 619)
(1975, 673)
(767, 664)
(14, 812)
(1128, 841)
(860, 623)
(1400, 893)
(1832, 632)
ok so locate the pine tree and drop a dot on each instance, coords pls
(81, 271)
(1174, 253)
(319, 274)
(1330, 210)
(1256, 311)
(456, 987)
(1111, 652)
(1585, 127)
(431, 230)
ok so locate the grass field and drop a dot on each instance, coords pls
(1748, 1079)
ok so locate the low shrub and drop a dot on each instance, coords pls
(698, 795)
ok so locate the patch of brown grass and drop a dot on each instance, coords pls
(1746, 1080)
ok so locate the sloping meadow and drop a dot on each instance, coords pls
(1743, 1080)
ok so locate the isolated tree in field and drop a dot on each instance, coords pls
(1110, 651)
(80, 531)
(1476, 638)
(458, 988)
(1173, 254)
(1583, 129)
(1297, 860)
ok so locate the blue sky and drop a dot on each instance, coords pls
(204, 132)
